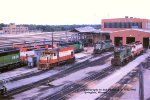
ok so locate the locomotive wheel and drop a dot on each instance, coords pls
(141, 52)
(46, 67)
(104, 50)
(123, 63)
(130, 58)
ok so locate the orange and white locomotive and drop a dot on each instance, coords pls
(136, 48)
(55, 56)
(26, 52)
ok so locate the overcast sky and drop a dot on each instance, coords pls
(70, 11)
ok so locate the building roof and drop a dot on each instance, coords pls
(89, 29)
(142, 30)
(127, 18)
(85, 29)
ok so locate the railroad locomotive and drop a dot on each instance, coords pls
(30, 53)
(78, 45)
(24, 54)
(52, 57)
(9, 58)
(124, 54)
(17, 56)
(102, 46)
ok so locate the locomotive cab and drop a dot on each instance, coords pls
(45, 60)
(117, 60)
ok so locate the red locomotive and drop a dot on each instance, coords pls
(52, 57)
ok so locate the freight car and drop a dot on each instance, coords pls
(124, 54)
(9, 58)
(78, 45)
(3, 89)
(102, 46)
(52, 57)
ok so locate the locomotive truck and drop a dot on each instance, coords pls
(124, 54)
(102, 46)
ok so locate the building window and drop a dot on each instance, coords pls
(123, 25)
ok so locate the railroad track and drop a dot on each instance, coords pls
(117, 91)
(67, 91)
(22, 76)
(64, 73)
(79, 86)
(148, 98)
(33, 73)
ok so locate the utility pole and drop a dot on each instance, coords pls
(141, 83)
(66, 36)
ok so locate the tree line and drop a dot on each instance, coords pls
(51, 28)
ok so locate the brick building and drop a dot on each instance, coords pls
(127, 30)
(13, 29)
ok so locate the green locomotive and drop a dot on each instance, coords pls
(124, 54)
(78, 45)
(9, 58)
(121, 55)
(102, 46)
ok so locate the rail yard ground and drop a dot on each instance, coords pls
(81, 79)
(6, 40)
(134, 95)
(88, 78)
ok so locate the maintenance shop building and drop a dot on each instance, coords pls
(127, 30)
